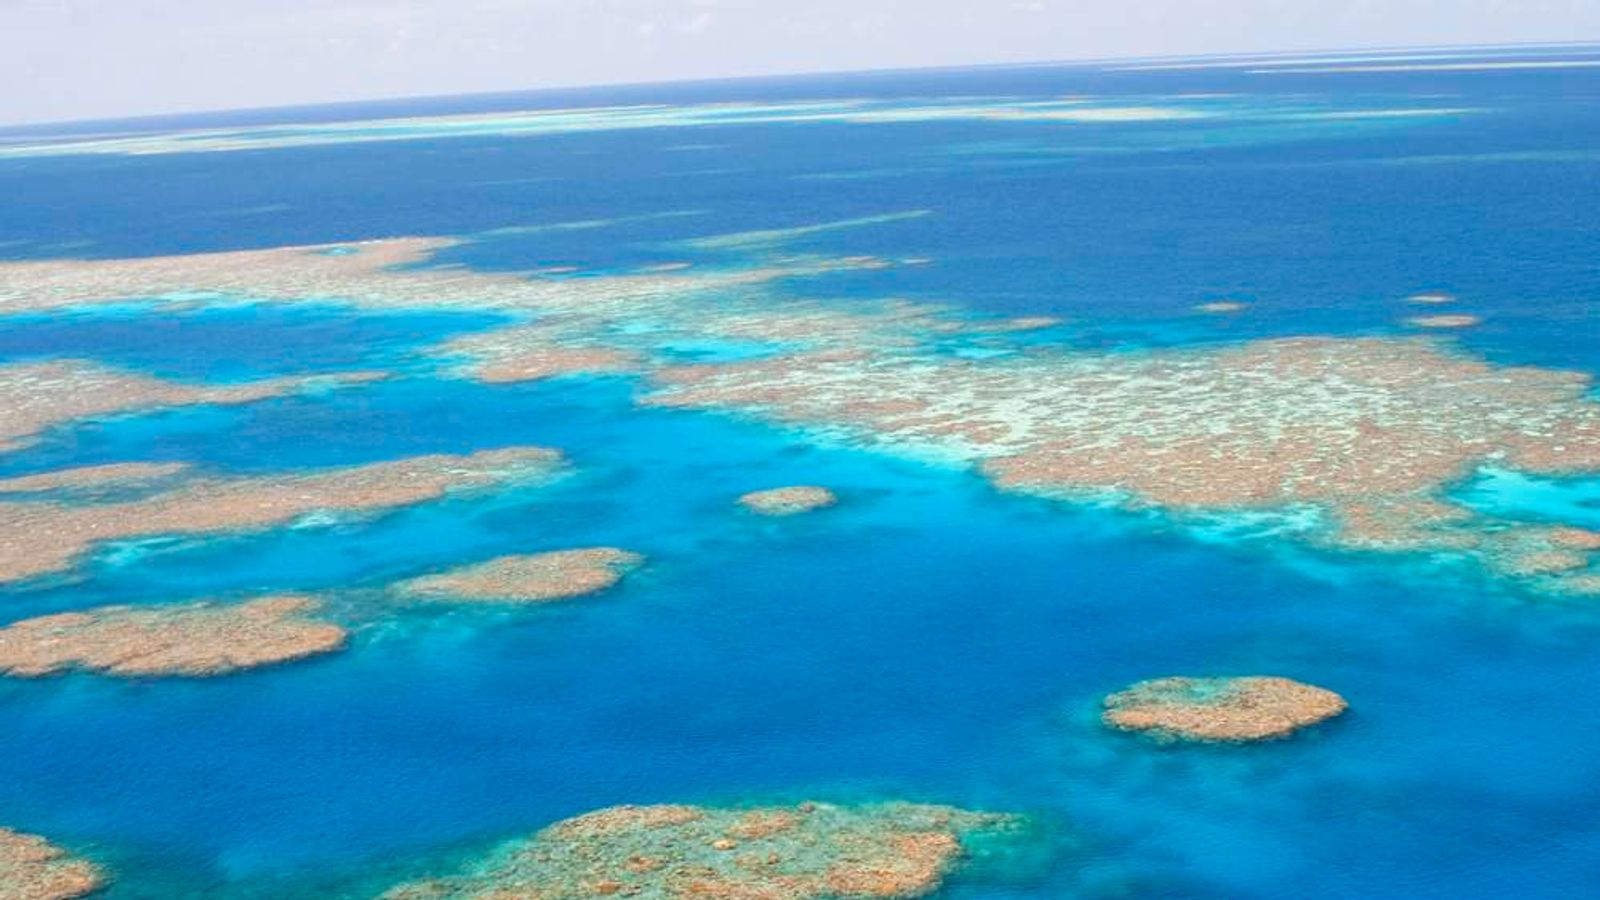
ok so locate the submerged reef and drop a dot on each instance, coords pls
(1351, 443)
(34, 396)
(531, 353)
(1220, 709)
(788, 501)
(43, 536)
(807, 852)
(83, 478)
(32, 868)
(527, 579)
(192, 639)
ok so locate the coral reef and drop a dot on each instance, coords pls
(45, 536)
(34, 396)
(32, 868)
(1220, 709)
(787, 501)
(807, 852)
(1361, 438)
(527, 579)
(192, 639)
(530, 353)
(88, 477)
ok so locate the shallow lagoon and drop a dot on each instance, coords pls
(928, 639)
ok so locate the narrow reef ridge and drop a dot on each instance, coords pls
(533, 578)
(32, 868)
(1220, 709)
(46, 536)
(807, 852)
(191, 639)
(788, 501)
(83, 477)
(34, 396)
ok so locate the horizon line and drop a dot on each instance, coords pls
(1177, 61)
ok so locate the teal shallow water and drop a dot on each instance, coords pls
(929, 638)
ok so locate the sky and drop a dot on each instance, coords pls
(63, 60)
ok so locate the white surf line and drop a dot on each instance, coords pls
(1332, 59)
(1437, 67)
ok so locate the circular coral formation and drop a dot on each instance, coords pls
(32, 868)
(787, 501)
(528, 579)
(193, 639)
(806, 852)
(1221, 709)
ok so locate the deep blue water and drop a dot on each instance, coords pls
(929, 638)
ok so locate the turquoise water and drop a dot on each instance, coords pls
(929, 638)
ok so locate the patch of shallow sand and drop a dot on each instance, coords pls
(38, 537)
(192, 639)
(532, 578)
(1444, 321)
(807, 852)
(788, 501)
(1221, 709)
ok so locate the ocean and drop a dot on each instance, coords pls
(931, 638)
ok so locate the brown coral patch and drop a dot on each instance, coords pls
(788, 501)
(1221, 709)
(41, 537)
(31, 868)
(821, 852)
(192, 639)
(527, 579)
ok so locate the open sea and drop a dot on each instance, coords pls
(931, 638)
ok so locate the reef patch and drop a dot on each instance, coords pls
(109, 475)
(811, 851)
(1220, 709)
(788, 501)
(32, 868)
(190, 639)
(534, 578)
(42, 536)
(34, 396)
